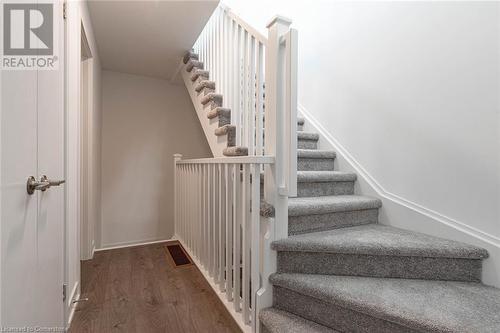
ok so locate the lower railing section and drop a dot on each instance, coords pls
(217, 220)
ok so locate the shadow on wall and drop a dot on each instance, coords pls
(145, 122)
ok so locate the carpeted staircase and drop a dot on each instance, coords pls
(213, 102)
(341, 271)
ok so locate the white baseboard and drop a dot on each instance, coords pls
(132, 244)
(404, 213)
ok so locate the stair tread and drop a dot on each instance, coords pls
(278, 321)
(205, 84)
(315, 153)
(325, 176)
(301, 135)
(377, 239)
(235, 151)
(423, 305)
(330, 204)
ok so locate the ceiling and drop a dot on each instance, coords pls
(147, 37)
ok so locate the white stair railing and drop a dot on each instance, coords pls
(233, 52)
(217, 219)
(217, 215)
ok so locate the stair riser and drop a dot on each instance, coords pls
(307, 144)
(315, 164)
(315, 223)
(333, 316)
(322, 189)
(223, 120)
(263, 329)
(229, 134)
(450, 269)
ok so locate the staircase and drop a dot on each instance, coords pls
(315, 258)
(341, 271)
(211, 104)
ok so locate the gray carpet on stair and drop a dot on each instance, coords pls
(189, 55)
(327, 221)
(277, 321)
(308, 153)
(235, 151)
(377, 239)
(436, 268)
(330, 204)
(332, 315)
(318, 189)
(197, 73)
(266, 209)
(380, 251)
(307, 140)
(315, 160)
(205, 84)
(324, 183)
(325, 176)
(308, 136)
(416, 305)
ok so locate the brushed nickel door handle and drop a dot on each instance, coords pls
(52, 182)
(45, 183)
(32, 184)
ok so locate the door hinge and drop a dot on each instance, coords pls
(64, 10)
(64, 292)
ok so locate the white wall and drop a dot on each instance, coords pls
(77, 15)
(411, 91)
(145, 122)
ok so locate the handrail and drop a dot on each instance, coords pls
(232, 51)
(231, 160)
(260, 37)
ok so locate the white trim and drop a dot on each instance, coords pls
(237, 316)
(238, 20)
(75, 295)
(231, 160)
(131, 244)
(380, 190)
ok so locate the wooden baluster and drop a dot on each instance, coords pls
(229, 232)
(236, 237)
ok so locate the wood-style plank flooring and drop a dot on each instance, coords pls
(139, 289)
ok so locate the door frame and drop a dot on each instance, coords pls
(87, 223)
(72, 36)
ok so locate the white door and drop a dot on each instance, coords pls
(32, 225)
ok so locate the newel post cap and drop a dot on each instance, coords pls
(279, 19)
(177, 157)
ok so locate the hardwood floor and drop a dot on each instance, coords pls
(139, 289)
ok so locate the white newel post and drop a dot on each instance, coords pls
(177, 157)
(277, 144)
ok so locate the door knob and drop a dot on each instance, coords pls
(32, 184)
(51, 182)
